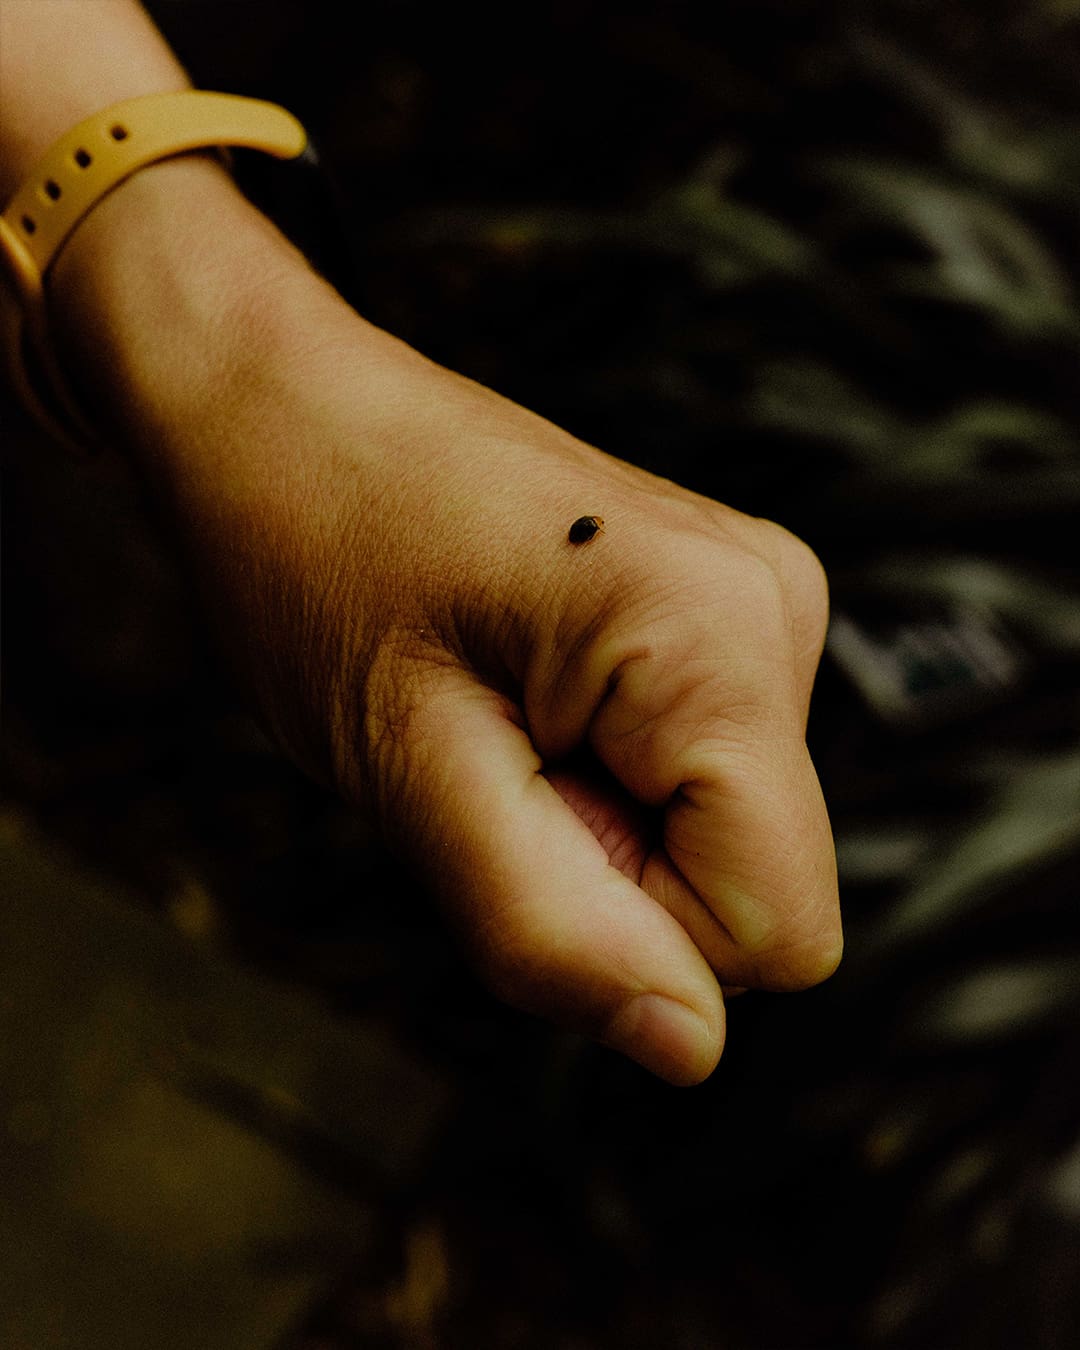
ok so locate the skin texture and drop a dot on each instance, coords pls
(595, 756)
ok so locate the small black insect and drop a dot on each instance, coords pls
(584, 528)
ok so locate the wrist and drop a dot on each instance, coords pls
(61, 62)
(167, 292)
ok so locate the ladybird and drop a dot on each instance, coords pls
(584, 528)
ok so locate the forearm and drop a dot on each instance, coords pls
(61, 61)
(173, 282)
(178, 311)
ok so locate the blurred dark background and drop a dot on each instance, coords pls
(819, 261)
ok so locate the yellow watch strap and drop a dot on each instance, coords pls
(84, 165)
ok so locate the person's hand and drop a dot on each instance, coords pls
(593, 753)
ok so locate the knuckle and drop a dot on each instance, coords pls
(807, 577)
(802, 576)
(794, 961)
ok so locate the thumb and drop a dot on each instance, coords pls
(552, 925)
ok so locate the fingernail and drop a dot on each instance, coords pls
(665, 1037)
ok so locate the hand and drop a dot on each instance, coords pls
(593, 753)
